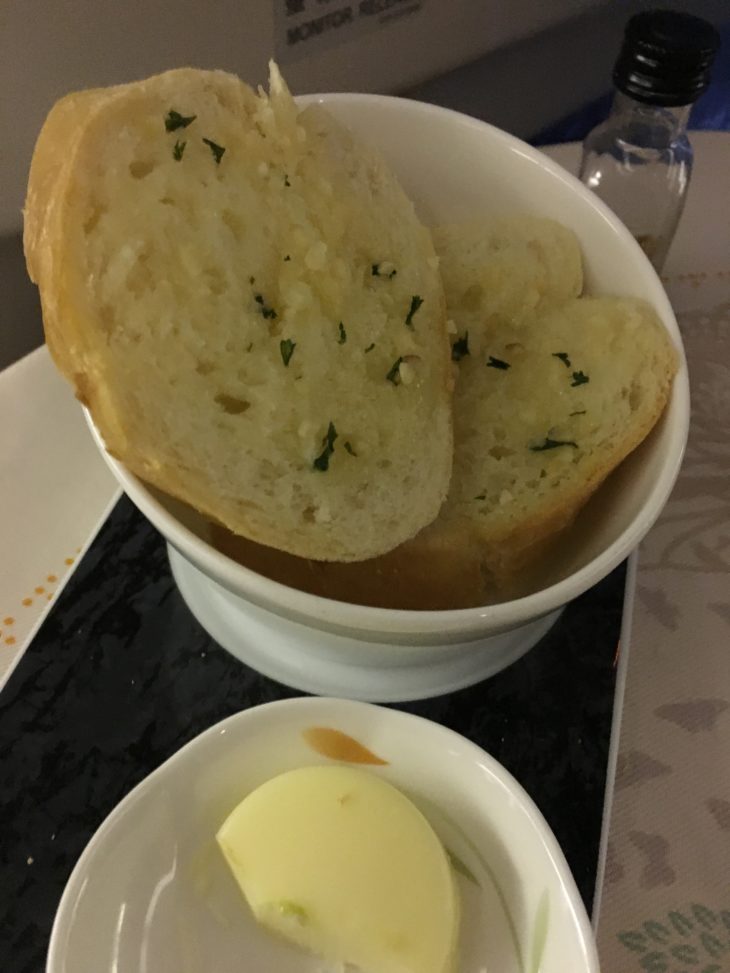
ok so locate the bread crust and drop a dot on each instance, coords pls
(375, 494)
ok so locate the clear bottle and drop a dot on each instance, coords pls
(639, 161)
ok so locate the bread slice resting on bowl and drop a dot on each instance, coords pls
(245, 300)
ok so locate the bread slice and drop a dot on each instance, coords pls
(553, 392)
(246, 301)
(501, 271)
(543, 413)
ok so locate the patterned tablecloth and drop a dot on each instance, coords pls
(666, 891)
(663, 902)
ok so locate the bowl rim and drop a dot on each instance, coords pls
(410, 722)
(404, 622)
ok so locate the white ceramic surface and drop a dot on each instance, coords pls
(151, 893)
(321, 662)
(56, 493)
(454, 167)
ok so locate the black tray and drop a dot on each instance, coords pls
(120, 676)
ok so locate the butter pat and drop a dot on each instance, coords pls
(341, 863)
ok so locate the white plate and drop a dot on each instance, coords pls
(151, 893)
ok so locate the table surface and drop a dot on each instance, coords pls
(116, 675)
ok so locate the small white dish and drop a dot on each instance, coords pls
(152, 894)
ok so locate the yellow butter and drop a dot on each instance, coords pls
(341, 863)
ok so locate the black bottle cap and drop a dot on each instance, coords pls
(666, 57)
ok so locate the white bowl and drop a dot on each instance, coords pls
(452, 166)
(152, 894)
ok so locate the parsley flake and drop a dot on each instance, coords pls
(416, 302)
(177, 152)
(268, 312)
(343, 334)
(581, 412)
(376, 272)
(460, 348)
(549, 443)
(322, 462)
(497, 363)
(394, 373)
(217, 150)
(286, 180)
(287, 257)
(563, 356)
(480, 496)
(174, 120)
(369, 348)
(286, 348)
(348, 447)
(579, 379)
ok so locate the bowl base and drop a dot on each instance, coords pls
(316, 661)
